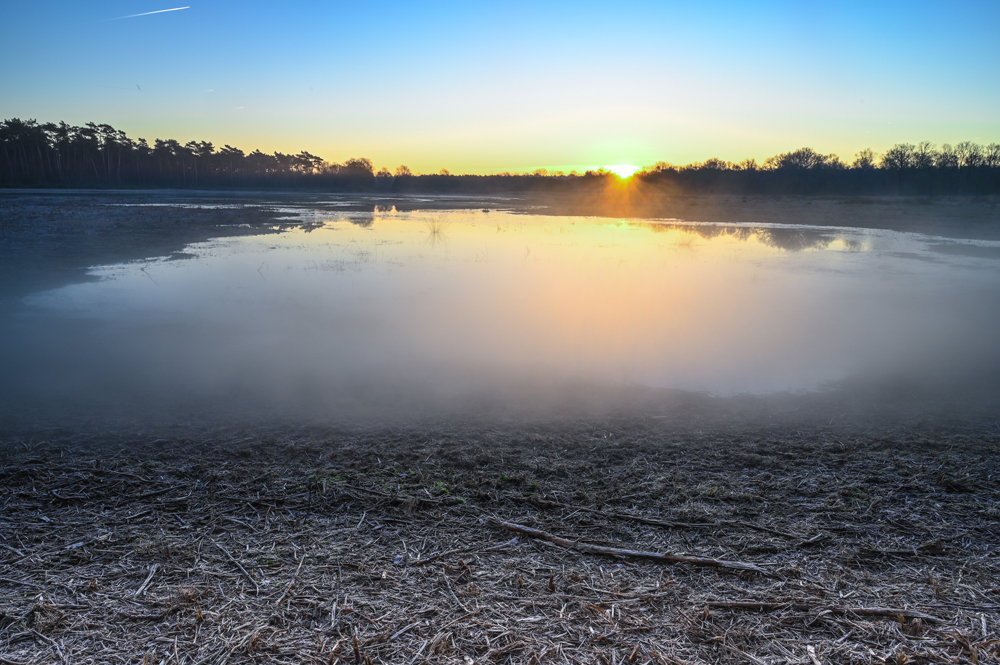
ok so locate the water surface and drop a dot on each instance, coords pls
(390, 310)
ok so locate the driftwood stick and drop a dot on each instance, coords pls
(453, 595)
(19, 582)
(238, 565)
(295, 578)
(891, 612)
(141, 591)
(435, 557)
(832, 609)
(386, 495)
(615, 551)
(750, 605)
(462, 550)
(664, 523)
(162, 491)
(634, 518)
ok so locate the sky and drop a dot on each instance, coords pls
(487, 87)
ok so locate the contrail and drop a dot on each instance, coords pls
(158, 11)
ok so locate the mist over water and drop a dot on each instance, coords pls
(389, 315)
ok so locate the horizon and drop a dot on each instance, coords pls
(988, 153)
(480, 90)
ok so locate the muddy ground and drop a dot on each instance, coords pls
(843, 527)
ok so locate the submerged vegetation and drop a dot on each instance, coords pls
(62, 155)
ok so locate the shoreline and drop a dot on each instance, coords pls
(256, 543)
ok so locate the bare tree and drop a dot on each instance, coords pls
(899, 157)
(924, 155)
(992, 155)
(946, 158)
(969, 154)
(865, 160)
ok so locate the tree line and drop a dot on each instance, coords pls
(61, 155)
(922, 169)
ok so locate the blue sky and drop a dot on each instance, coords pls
(488, 87)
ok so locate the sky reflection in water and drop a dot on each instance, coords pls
(458, 301)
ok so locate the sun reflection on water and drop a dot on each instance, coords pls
(476, 297)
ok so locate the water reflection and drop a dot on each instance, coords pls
(365, 306)
(363, 220)
(789, 239)
(436, 235)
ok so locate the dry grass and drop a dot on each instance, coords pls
(383, 546)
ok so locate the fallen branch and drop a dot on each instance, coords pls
(295, 578)
(972, 608)
(634, 518)
(435, 557)
(453, 595)
(615, 551)
(19, 582)
(141, 591)
(66, 497)
(830, 609)
(392, 497)
(162, 491)
(882, 612)
(461, 550)
(238, 565)
(664, 523)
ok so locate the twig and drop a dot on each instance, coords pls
(403, 630)
(159, 492)
(292, 583)
(615, 551)
(452, 592)
(386, 495)
(883, 612)
(971, 608)
(635, 518)
(832, 609)
(419, 651)
(238, 564)
(141, 591)
(64, 497)
(461, 550)
(18, 582)
(664, 523)
(435, 557)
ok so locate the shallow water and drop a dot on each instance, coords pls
(389, 309)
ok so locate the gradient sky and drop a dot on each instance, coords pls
(488, 87)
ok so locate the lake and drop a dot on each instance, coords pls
(389, 311)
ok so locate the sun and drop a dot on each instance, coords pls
(622, 170)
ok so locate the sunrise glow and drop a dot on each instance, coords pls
(622, 170)
(464, 89)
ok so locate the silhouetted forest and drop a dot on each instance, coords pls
(60, 155)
